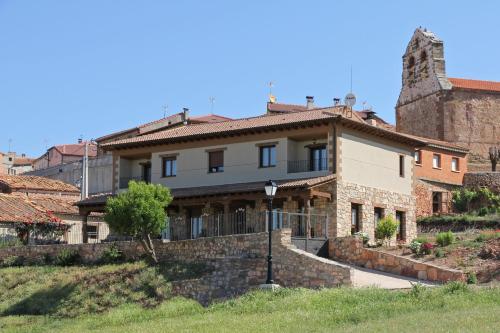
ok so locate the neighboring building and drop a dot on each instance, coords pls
(328, 163)
(62, 154)
(28, 199)
(460, 111)
(13, 164)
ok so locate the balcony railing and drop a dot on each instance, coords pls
(125, 180)
(246, 223)
(308, 165)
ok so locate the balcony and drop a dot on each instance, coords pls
(310, 165)
(125, 180)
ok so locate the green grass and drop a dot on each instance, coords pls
(453, 307)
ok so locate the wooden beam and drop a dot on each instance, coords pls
(321, 194)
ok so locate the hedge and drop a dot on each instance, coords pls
(457, 222)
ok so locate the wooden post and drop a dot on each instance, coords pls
(85, 236)
(308, 221)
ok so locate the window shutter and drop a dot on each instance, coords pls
(216, 159)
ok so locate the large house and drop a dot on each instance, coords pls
(337, 174)
(14, 164)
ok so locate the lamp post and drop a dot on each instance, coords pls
(270, 188)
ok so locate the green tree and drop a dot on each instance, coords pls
(139, 212)
(386, 228)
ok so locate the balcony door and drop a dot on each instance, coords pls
(146, 173)
(318, 159)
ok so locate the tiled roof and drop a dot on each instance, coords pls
(23, 161)
(180, 193)
(209, 118)
(475, 84)
(77, 149)
(15, 183)
(18, 209)
(281, 107)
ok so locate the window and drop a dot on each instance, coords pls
(401, 166)
(319, 159)
(437, 200)
(418, 157)
(355, 218)
(400, 233)
(169, 167)
(267, 156)
(436, 161)
(216, 161)
(378, 214)
(455, 165)
(92, 231)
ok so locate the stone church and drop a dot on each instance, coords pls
(460, 111)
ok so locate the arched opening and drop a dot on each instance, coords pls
(423, 56)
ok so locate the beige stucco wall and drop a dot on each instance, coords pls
(241, 164)
(373, 162)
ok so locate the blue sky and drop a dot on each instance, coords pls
(71, 68)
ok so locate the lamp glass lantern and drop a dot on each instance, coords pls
(270, 188)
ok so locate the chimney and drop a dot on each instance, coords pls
(336, 101)
(80, 140)
(23, 155)
(310, 102)
(185, 115)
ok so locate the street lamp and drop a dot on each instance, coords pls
(270, 188)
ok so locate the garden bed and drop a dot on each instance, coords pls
(474, 252)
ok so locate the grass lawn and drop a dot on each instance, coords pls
(450, 308)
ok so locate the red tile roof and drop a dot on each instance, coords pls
(209, 118)
(475, 84)
(23, 161)
(21, 209)
(281, 107)
(77, 149)
(261, 123)
(26, 183)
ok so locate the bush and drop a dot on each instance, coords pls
(483, 211)
(422, 239)
(439, 253)
(426, 248)
(13, 261)
(415, 247)
(386, 228)
(445, 238)
(362, 235)
(67, 257)
(471, 278)
(111, 255)
(455, 287)
(152, 284)
(487, 235)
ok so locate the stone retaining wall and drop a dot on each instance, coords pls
(490, 180)
(238, 262)
(351, 250)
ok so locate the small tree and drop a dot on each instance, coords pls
(139, 212)
(386, 228)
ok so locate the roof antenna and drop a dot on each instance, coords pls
(212, 101)
(165, 110)
(272, 98)
(10, 145)
(351, 80)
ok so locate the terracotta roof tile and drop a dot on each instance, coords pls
(18, 209)
(281, 107)
(20, 182)
(77, 149)
(475, 84)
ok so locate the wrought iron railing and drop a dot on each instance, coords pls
(307, 165)
(302, 225)
(125, 180)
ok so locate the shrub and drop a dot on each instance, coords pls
(426, 248)
(445, 238)
(363, 236)
(386, 228)
(13, 261)
(67, 257)
(487, 235)
(10, 243)
(471, 278)
(455, 287)
(152, 284)
(483, 211)
(439, 253)
(415, 247)
(422, 239)
(111, 255)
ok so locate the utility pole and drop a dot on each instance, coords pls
(84, 188)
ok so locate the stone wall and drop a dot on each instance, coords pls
(351, 250)
(238, 262)
(483, 179)
(423, 195)
(369, 198)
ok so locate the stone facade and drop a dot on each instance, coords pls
(351, 250)
(430, 106)
(424, 191)
(238, 263)
(490, 180)
(369, 198)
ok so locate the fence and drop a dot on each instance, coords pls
(302, 225)
(320, 164)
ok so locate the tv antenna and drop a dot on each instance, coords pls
(212, 101)
(10, 145)
(165, 110)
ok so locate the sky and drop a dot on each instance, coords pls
(71, 69)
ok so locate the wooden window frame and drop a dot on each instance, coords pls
(401, 163)
(458, 164)
(219, 168)
(438, 167)
(419, 154)
(261, 156)
(164, 169)
(400, 232)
